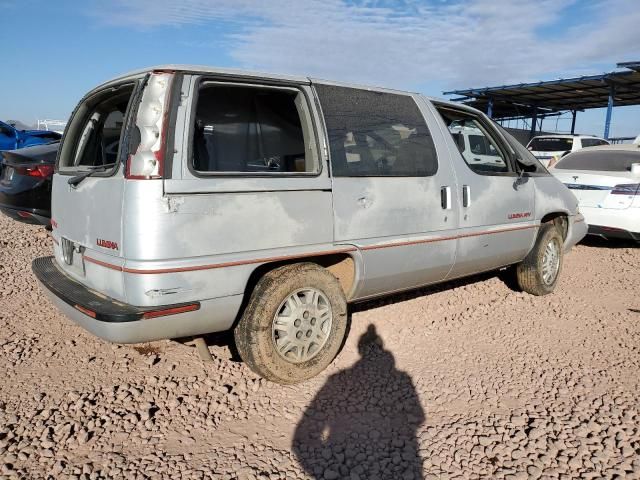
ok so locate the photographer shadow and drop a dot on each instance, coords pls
(363, 422)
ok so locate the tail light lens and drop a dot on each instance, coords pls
(626, 189)
(38, 171)
(152, 122)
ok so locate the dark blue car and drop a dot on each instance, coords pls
(11, 138)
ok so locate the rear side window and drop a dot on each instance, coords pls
(376, 134)
(551, 144)
(593, 142)
(601, 160)
(95, 132)
(247, 129)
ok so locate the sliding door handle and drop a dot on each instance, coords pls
(445, 198)
(466, 195)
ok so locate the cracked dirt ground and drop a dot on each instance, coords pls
(465, 380)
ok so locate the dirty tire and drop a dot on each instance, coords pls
(253, 334)
(529, 272)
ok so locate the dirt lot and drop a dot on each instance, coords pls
(466, 380)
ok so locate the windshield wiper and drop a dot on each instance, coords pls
(74, 181)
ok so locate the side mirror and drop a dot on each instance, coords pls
(525, 167)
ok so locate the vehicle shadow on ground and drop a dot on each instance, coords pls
(363, 422)
(593, 241)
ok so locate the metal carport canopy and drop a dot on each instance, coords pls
(548, 97)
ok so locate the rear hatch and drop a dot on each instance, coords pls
(601, 177)
(116, 136)
(88, 188)
(602, 190)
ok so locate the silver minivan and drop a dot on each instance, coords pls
(190, 200)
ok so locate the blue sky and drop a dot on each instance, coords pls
(56, 51)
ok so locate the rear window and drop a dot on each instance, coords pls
(551, 144)
(601, 160)
(592, 142)
(95, 132)
(373, 134)
(252, 130)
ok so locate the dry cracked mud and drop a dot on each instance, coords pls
(465, 380)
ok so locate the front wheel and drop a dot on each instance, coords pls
(294, 323)
(538, 273)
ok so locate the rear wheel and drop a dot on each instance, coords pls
(294, 324)
(538, 273)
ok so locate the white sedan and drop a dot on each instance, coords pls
(606, 182)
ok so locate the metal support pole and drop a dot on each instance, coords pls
(607, 122)
(573, 122)
(490, 108)
(534, 121)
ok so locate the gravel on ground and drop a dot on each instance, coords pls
(469, 379)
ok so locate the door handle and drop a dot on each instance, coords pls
(445, 198)
(466, 195)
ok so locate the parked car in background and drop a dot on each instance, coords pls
(606, 182)
(189, 200)
(548, 149)
(25, 183)
(473, 144)
(12, 138)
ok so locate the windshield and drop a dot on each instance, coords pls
(600, 160)
(551, 144)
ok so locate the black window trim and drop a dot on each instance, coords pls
(130, 111)
(328, 144)
(250, 83)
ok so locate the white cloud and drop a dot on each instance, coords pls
(410, 42)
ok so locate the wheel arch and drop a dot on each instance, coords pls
(347, 267)
(560, 220)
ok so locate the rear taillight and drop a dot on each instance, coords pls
(626, 189)
(152, 122)
(38, 171)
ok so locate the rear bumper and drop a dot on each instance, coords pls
(27, 215)
(610, 232)
(613, 223)
(123, 323)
